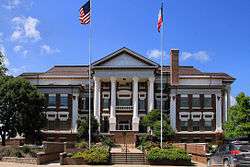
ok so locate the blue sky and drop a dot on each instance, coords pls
(212, 35)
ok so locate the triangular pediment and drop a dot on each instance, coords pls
(124, 58)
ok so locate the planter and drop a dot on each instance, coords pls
(170, 162)
(19, 160)
(73, 161)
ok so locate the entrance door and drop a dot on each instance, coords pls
(124, 125)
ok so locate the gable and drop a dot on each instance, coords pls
(124, 58)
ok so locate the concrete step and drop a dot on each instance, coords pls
(132, 158)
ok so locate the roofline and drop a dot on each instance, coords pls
(105, 58)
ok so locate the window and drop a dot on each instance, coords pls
(124, 98)
(207, 101)
(208, 140)
(63, 116)
(158, 101)
(196, 140)
(51, 115)
(208, 125)
(52, 100)
(196, 101)
(184, 101)
(208, 117)
(196, 126)
(64, 100)
(184, 125)
(105, 100)
(142, 105)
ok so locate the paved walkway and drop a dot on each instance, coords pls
(5, 164)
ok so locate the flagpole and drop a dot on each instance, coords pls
(162, 50)
(90, 35)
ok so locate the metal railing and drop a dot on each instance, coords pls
(124, 108)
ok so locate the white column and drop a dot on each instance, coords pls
(97, 89)
(112, 119)
(135, 121)
(151, 94)
(225, 106)
(218, 113)
(75, 111)
(173, 110)
(228, 100)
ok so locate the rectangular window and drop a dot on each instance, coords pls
(184, 125)
(196, 126)
(64, 100)
(142, 105)
(196, 101)
(124, 102)
(184, 101)
(207, 101)
(105, 103)
(208, 125)
(52, 100)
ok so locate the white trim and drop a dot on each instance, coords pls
(158, 96)
(106, 95)
(208, 96)
(142, 95)
(196, 95)
(124, 92)
(208, 114)
(184, 95)
(51, 115)
(62, 113)
(196, 114)
(181, 114)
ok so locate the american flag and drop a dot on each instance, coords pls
(85, 13)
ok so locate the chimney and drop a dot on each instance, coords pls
(174, 66)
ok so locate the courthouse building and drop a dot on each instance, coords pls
(125, 87)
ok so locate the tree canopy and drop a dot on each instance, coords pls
(238, 124)
(3, 69)
(22, 108)
(153, 121)
(83, 127)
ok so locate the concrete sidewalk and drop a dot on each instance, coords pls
(5, 164)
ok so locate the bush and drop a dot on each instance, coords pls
(10, 152)
(170, 154)
(25, 149)
(106, 141)
(95, 155)
(82, 145)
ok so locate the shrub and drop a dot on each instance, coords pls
(82, 145)
(171, 154)
(10, 152)
(25, 149)
(106, 141)
(95, 155)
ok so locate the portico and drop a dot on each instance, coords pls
(120, 97)
(123, 88)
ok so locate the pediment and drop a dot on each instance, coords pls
(124, 58)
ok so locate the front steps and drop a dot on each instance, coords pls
(132, 158)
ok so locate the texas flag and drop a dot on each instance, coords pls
(160, 18)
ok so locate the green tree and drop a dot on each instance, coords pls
(3, 69)
(153, 121)
(22, 108)
(83, 127)
(238, 124)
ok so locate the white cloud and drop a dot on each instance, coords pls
(232, 101)
(5, 59)
(11, 4)
(155, 53)
(25, 28)
(46, 49)
(18, 48)
(201, 56)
